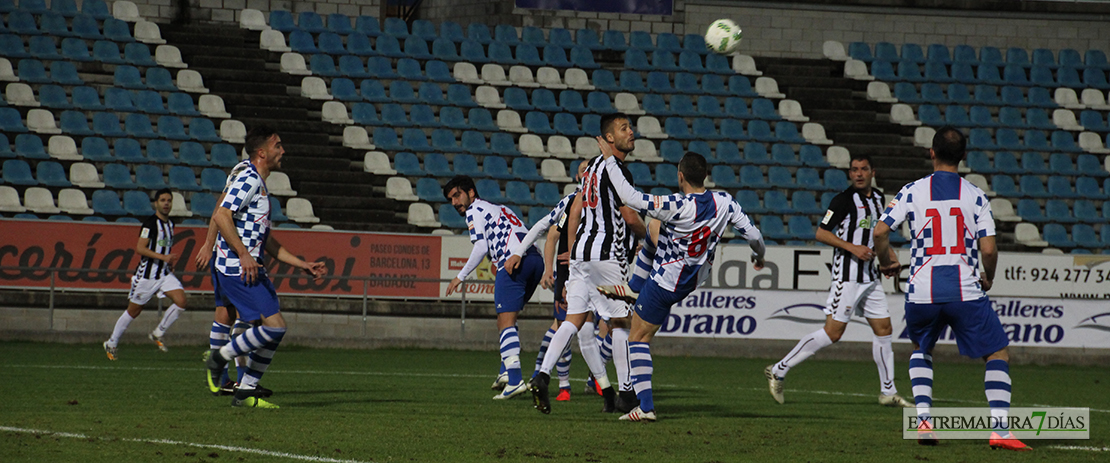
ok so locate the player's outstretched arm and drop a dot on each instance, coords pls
(989, 252)
(476, 255)
(539, 228)
(316, 269)
(888, 260)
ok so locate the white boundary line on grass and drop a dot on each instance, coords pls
(440, 375)
(1077, 447)
(268, 453)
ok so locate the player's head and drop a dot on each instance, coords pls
(861, 171)
(617, 130)
(692, 169)
(263, 144)
(163, 201)
(580, 169)
(949, 145)
(461, 192)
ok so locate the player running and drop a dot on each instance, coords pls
(154, 275)
(951, 225)
(494, 229)
(856, 288)
(691, 224)
(243, 220)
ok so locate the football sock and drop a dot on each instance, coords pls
(563, 368)
(543, 349)
(641, 271)
(640, 354)
(251, 340)
(218, 338)
(510, 353)
(620, 359)
(260, 356)
(591, 353)
(121, 325)
(168, 318)
(997, 385)
(240, 327)
(606, 345)
(805, 348)
(559, 341)
(884, 361)
(921, 378)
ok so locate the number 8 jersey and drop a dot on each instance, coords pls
(947, 216)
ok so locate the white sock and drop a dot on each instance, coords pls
(620, 359)
(884, 361)
(167, 319)
(808, 346)
(559, 342)
(591, 353)
(121, 326)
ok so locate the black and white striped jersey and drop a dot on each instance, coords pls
(160, 234)
(852, 217)
(602, 233)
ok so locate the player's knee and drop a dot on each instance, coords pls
(834, 334)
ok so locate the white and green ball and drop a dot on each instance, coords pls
(723, 36)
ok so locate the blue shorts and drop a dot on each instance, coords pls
(510, 292)
(978, 331)
(654, 303)
(252, 302)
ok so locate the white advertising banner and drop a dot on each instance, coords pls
(790, 315)
(455, 251)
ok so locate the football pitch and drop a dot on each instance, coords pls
(63, 403)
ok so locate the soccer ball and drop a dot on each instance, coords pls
(723, 36)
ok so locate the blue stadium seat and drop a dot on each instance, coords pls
(736, 107)
(359, 44)
(1088, 164)
(1057, 236)
(503, 144)
(780, 177)
(655, 105)
(1084, 236)
(501, 53)
(332, 44)
(752, 177)
(173, 128)
(481, 119)
(372, 91)
(408, 164)
(396, 27)
(528, 55)
(43, 48)
(1086, 211)
(582, 57)
(443, 140)
(676, 128)
(520, 193)
(149, 102)
(705, 129)
(1060, 187)
(1096, 59)
(1095, 78)
(95, 149)
(414, 140)
(450, 218)
(32, 71)
(671, 151)
(1031, 163)
(980, 116)
(1060, 164)
(339, 24)
(183, 179)
(1064, 141)
(1068, 77)
(632, 82)
(547, 194)
(11, 120)
(22, 23)
(860, 51)
(614, 40)
(906, 92)
(75, 50)
(478, 32)
(224, 155)
(588, 38)
(401, 92)
(1015, 75)
(1088, 187)
(883, 71)
(1034, 139)
(138, 125)
(117, 176)
(788, 132)
(1004, 186)
(775, 202)
(53, 96)
(685, 82)
(659, 82)
(536, 122)
(386, 138)
(666, 175)
(1071, 58)
(1010, 116)
(782, 154)
(202, 129)
(1032, 186)
(106, 202)
(495, 167)
(343, 89)
(760, 130)
(388, 46)
(465, 164)
(192, 154)
(160, 152)
(910, 72)
(1093, 121)
(444, 49)
(323, 65)
(118, 99)
(394, 115)
(567, 125)
(554, 55)
(642, 173)
(276, 213)
(801, 227)
(416, 47)
(981, 139)
(13, 47)
(763, 108)
(431, 93)
(424, 29)
(709, 106)
(490, 190)
(149, 177)
(452, 31)
(18, 172)
(423, 116)
(604, 80)
(452, 117)
(714, 85)
(702, 147)
(962, 73)
(365, 114)
(181, 104)
(50, 173)
(282, 21)
(773, 228)
(836, 179)
(570, 100)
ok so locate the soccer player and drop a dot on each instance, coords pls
(153, 276)
(690, 226)
(599, 247)
(494, 229)
(856, 288)
(952, 229)
(243, 220)
(556, 273)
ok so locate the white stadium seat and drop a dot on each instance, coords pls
(1092, 143)
(9, 200)
(466, 73)
(212, 106)
(768, 87)
(981, 182)
(586, 148)
(42, 121)
(815, 133)
(124, 10)
(880, 91)
(509, 121)
(377, 163)
(190, 81)
(148, 32)
(293, 63)
(549, 77)
(169, 56)
(300, 210)
(315, 88)
(20, 94)
(84, 175)
(252, 19)
(855, 69)
(273, 41)
(745, 65)
(1028, 234)
(901, 113)
(335, 112)
(554, 170)
(649, 127)
(628, 104)
(643, 151)
(494, 74)
(422, 215)
(834, 50)
(1067, 98)
(1003, 210)
(838, 156)
(180, 209)
(791, 110)
(356, 137)
(7, 74)
(488, 97)
(577, 79)
(532, 146)
(233, 131)
(73, 201)
(559, 146)
(923, 137)
(400, 188)
(63, 148)
(1094, 99)
(1065, 120)
(278, 184)
(521, 76)
(39, 200)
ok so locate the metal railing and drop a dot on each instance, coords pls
(365, 297)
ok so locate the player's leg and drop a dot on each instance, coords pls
(510, 292)
(545, 343)
(172, 288)
(626, 395)
(838, 310)
(141, 292)
(923, 324)
(877, 313)
(617, 310)
(562, 368)
(651, 310)
(241, 326)
(593, 352)
(253, 302)
(218, 337)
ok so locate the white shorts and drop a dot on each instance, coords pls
(582, 293)
(848, 298)
(142, 289)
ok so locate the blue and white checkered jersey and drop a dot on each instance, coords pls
(550, 220)
(691, 227)
(947, 215)
(246, 197)
(495, 230)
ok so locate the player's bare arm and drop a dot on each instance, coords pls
(830, 238)
(204, 254)
(888, 260)
(573, 220)
(142, 249)
(316, 269)
(550, 247)
(226, 226)
(989, 253)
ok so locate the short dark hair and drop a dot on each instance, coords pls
(159, 193)
(949, 145)
(608, 120)
(256, 138)
(462, 182)
(693, 168)
(864, 157)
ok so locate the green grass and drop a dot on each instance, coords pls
(421, 405)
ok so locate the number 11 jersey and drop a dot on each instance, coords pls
(947, 216)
